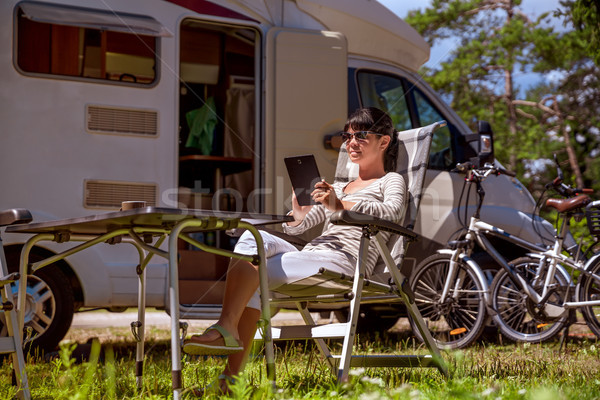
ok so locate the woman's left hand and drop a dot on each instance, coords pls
(325, 194)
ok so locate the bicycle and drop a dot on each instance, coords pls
(523, 311)
(451, 290)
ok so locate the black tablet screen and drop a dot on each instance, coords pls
(304, 174)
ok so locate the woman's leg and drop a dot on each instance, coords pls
(246, 329)
(242, 284)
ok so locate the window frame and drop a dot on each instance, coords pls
(357, 90)
(48, 75)
(409, 88)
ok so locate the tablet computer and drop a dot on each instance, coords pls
(304, 174)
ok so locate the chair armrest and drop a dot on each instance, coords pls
(15, 216)
(353, 218)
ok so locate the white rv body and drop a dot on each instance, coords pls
(310, 64)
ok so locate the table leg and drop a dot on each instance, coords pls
(264, 301)
(139, 353)
(174, 311)
(23, 269)
(174, 294)
(141, 328)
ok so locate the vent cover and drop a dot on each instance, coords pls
(110, 194)
(101, 119)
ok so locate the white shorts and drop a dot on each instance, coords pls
(287, 264)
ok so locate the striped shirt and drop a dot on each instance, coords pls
(383, 198)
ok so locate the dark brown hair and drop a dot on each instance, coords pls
(375, 120)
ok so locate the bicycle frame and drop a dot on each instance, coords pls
(478, 231)
(554, 256)
(452, 270)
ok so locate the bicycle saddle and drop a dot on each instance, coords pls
(566, 205)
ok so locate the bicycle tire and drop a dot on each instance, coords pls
(457, 322)
(588, 290)
(515, 313)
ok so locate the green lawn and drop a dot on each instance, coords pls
(485, 371)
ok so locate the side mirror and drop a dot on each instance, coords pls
(481, 144)
(485, 151)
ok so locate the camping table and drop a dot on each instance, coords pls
(147, 228)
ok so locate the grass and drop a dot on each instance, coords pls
(485, 371)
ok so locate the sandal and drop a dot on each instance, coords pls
(218, 347)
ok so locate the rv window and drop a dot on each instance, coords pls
(108, 20)
(86, 53)
(385, 92)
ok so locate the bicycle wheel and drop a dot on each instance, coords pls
(517, 316)
(589, 290)
(458, 320)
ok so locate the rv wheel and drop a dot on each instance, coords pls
(49, 306)
(372, 318)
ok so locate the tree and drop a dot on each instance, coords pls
(585, 16)
(496, 40)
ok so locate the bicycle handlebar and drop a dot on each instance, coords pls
(566, 190)
(484, 171)
(562, 188)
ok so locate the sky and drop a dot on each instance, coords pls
(532, 8)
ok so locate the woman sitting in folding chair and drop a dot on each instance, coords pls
(371, 142)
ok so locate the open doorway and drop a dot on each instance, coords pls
(217, 140)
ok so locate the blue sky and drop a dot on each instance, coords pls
(532, 8)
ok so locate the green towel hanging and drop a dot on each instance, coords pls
(202, 123)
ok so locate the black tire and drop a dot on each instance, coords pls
(518, 319)
(589, 289)
(459, 320)
(49, 306)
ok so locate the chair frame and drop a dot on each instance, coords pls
(357, 290)
(13, 342)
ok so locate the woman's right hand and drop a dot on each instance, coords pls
(298, 211)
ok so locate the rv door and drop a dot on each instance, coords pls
(306, 100)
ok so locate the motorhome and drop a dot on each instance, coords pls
(195, 104)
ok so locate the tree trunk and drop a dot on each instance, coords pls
(568, 146)
(509, 97)
(512, 118)
(572, 157)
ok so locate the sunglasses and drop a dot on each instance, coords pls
(360, 135)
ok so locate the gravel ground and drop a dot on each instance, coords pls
(103, 319)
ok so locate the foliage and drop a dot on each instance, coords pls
(585, 16)
(495, 42)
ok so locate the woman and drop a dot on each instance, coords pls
(371, 142)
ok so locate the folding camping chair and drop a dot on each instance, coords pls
(12, 342)
(328, 286)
